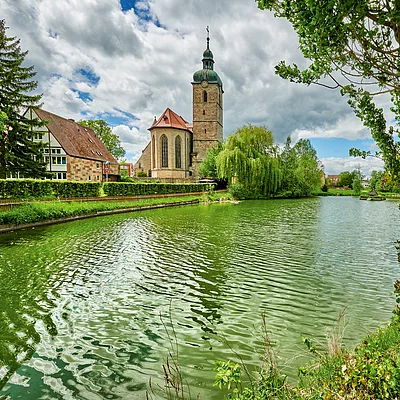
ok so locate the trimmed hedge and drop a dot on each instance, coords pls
(134, 189)
(40, 189)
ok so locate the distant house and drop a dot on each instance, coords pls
(365, 183)
(73, 151)
(333, 179)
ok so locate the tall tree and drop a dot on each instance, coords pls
(355, 44)
(208, 168)
(250, 158)
(106, 135)
(19, 152)
(301, 169)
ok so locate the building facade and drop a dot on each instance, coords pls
(177, 147)
(73, 152)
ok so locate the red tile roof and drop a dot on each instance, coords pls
(75, 139)
(169, 119)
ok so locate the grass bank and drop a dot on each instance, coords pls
(36, 212)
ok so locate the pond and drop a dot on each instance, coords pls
(89, 309)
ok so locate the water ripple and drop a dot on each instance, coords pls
(90, 308)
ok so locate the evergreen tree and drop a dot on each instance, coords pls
(19, 153)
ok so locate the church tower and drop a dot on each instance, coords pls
(207, 109)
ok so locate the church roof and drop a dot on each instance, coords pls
(75, 139)
(169, 119)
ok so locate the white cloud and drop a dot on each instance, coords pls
(335, 166)
(142, 63)
(349, 127)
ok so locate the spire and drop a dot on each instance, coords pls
(208, 57)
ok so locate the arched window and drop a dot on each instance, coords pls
(164, 151)
(153, 152)
(178, 151)
(205, 97)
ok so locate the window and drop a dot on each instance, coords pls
(58, 151)
(153, 151)
(178, 147)
(46, 150)
(47, 159)
(97, 165)
(164, 151)
(54, 160)
(53, 151)
(204, 112)
(60, 175)
(205, 97)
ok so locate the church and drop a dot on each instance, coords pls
(177, 147)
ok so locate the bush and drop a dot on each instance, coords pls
(141, 174)
(140, 188)
(324, 188)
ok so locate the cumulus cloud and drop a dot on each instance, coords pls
(93, 60)
(337, 165)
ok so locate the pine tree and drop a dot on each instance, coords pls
(19, 152)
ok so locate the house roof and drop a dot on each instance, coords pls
(169, 119)
(75, 139)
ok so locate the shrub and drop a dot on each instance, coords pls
(141, 174)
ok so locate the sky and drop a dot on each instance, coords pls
(126, 61)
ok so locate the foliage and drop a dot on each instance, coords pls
(249, 157)
(37, 189)
(388, 184)
(3, 120)
(324, 188)
(134, 189)
(238, 191)
(301, 169)
(345, 179)
(19, 153)
(141, 174)
(375, 181)
(208, 168)
(356, 184)
(355, 45)
(106, 135)
(228, 373)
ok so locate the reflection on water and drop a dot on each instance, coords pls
(86, 307)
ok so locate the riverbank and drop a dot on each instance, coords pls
(33, 214)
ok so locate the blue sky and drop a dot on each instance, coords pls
(126, 61)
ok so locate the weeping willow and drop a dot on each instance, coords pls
(249, 157)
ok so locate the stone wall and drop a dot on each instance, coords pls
(156, 153)
(144, 162)
(81, 169)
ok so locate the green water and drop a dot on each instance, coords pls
(86, 307)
